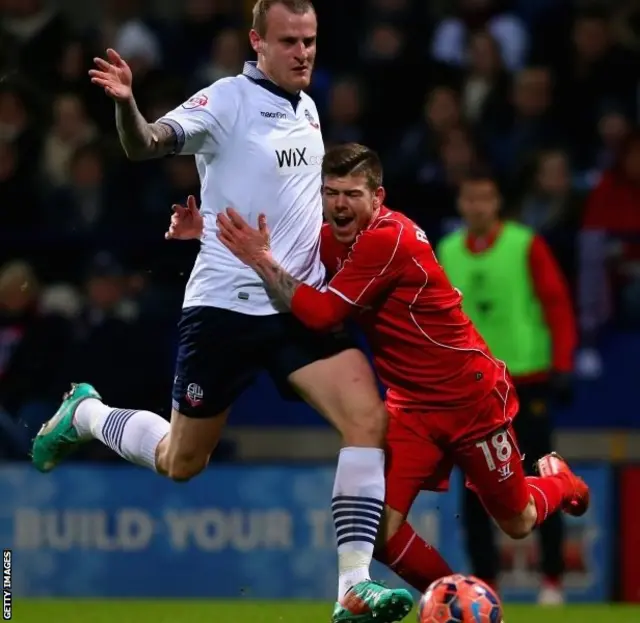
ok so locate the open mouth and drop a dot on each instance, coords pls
(342, 222)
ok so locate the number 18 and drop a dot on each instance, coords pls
(500, 448)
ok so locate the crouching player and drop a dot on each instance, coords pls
(450, 401)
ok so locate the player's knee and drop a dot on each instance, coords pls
(366, 427)
(520, 526)
(515, 529)
(182, 468)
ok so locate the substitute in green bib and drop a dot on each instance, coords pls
(516, 295)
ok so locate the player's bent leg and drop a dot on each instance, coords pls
(493, 468)
(178, 450)
(519, 503)
(414, 462)
(186, 450)
(343, 389)
(518, 526)
(134, 435)
(392, 521)
(406, 553)
(557, 488)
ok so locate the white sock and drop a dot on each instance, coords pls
(134, 435)
(358, 502)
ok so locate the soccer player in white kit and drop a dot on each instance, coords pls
(258, 145)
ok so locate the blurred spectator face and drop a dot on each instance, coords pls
(106, 282)
(18, 287)
(344, 102)
(287, 48)
(613, 128)
(553, 177)
(71, 66)
(182, 173)
(8, 163)
(631, 162)
(385, 43)
(532, 92)
(457, 155)
(105, 291)
(457, 152)
(484, 55)
(591, 38)
(13, 115)
(136, 284)
(69, 117)
(442, 109)
(87, 170)
(479, 204)
(227, 49)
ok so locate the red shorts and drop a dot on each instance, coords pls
(423, 447)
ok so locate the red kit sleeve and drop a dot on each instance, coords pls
(371, 267)
(553, 294)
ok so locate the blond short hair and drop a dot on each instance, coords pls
(261, 8)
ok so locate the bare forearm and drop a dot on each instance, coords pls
(278, 281)
(142, 140)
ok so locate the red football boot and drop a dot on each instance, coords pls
(576, 501)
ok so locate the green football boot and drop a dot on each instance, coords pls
(58, 437)
(372, 602)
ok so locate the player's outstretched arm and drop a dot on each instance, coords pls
(140, 140)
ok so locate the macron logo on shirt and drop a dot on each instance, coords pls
(273, 115)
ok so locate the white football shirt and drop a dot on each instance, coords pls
(258, 149)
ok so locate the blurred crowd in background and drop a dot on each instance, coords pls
(543, 91)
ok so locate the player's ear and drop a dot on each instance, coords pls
(256, 41)
(379, 196)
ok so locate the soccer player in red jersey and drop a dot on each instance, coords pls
(450, 401)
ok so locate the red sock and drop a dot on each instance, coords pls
(547, 493)
(413, 559)
(552, 581)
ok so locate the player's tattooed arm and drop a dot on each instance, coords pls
(277, 279)
(142, 140)
(253, 247)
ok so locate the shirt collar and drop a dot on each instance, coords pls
(254, 74)
(383, 211)
(478, 244)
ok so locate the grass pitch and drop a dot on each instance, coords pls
(159, 611)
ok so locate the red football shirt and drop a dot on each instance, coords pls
(426, 351)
